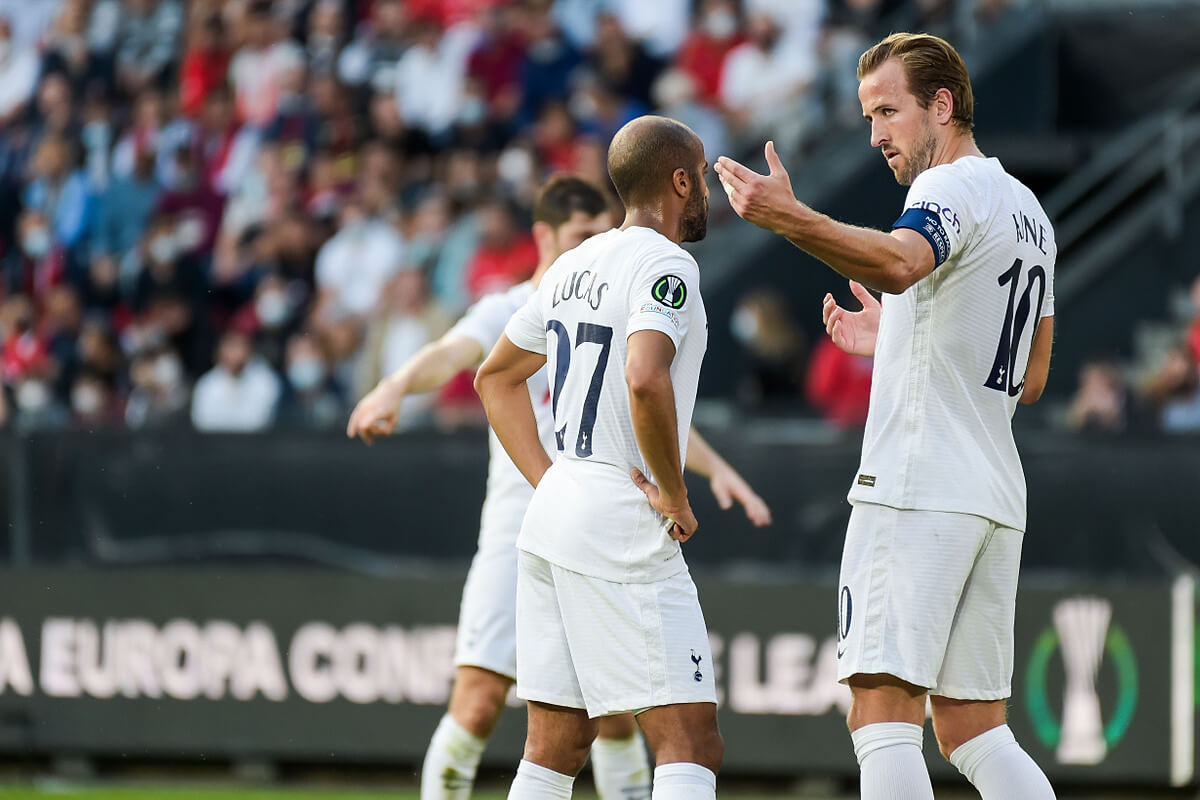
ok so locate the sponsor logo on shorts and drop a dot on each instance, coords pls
(845, 614)
(866, 480)
(698, 675)
(1085, 634)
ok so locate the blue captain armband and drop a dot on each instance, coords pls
(929, 225)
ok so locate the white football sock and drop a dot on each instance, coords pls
(450, 762)
(683, 780)
(535, 782)
(621, 769)
(890, 762)
(999, 769)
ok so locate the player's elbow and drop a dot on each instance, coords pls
(645, 381)
(485, 381)
(899, 276)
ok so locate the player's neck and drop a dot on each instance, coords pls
(954, 148)
(540, 270)
(655, 220)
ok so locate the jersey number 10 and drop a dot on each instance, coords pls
(1015, 319)
(586, 333)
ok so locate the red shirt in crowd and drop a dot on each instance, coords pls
(839, 384)
(702, 57)
(202, 71)
(495, 268)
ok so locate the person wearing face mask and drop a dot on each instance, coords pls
(312, 398)
(160, 395)
(240, 393)
(91, 402)
(718, 30)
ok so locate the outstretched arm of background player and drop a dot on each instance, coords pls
(652, 406)
(726, 484)
(853, 331)
(431, 368)
(886, 262)
(1038, 370)
(500, 383)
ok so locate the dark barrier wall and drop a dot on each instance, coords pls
(317, 666)
(1104, 506)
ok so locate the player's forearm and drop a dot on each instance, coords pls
(435, 364)
(652, 406)
(873, 258)
(510, 412)
(702, 459)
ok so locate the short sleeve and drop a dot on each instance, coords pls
(1048, 302)
(664, 296)
(938, 208)
(484, 321)
(527, 328)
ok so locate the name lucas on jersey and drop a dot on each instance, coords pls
(579, 286)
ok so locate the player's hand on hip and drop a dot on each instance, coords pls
(376, 414)
(729, 487)
(683, 521)
(765, 200)
(853, 331)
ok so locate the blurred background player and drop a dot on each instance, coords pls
(568, 211)
(928, 582)
(608, 618)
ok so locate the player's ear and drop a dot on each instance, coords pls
(681, 182)
(943, 103)
(543, 237)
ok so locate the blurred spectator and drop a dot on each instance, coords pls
(38, 262)
(261, 67)
(622, 63)
(1175, 389)
(18, 74)
(1101, 403)
(429, 78)
(353, 267)
(326, 36)
(311, 399)
(765, 81)
(147, 39)
(507, 254)
(773, 360)
(1193, 333)
(660, 25)
(703, 53)
(194, 208)
(406, 321)
(495, 63)
(839, 384)
(549, 64)
(370, 59)
(159, 394)
(66, 49)
(58, 190)
(93, 402)
(239, 393)
(124, 209)
(29, 20)
(205, 64)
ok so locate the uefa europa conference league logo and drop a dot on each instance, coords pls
(1083, 630)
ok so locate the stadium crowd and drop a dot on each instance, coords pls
(241, 213)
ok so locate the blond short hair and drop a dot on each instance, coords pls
(930, 63)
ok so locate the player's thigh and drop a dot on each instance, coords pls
(956, 722)
(487, 627)
(684, 732)
(902, 575)
(559, 737)
(979, 654)
(545, 666)
(636, 645)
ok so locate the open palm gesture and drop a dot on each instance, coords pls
(853, 331)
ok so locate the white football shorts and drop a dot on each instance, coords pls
(585, 642)
(929, 597)
(487, 617)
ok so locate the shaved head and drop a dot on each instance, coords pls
(645, 153)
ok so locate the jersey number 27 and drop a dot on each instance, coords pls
(1015, 319)
(586, 333)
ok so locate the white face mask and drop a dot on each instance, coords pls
(744, 325)
(36, 242)
(720, 24)
(87, 400)
(32, 395)
(5, 49)
(162, 248)
(306, 373)
(167, 371)
(272, 308)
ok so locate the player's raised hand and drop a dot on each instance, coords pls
(376, 414)
(765, 200)
(683, 521)
(729, 487)
(853, 331)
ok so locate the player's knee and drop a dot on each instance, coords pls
(564, 754)
(479, 716)
(956, 722)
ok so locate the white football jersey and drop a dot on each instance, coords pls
(508, 493)
(587, 515)
(952, 350)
